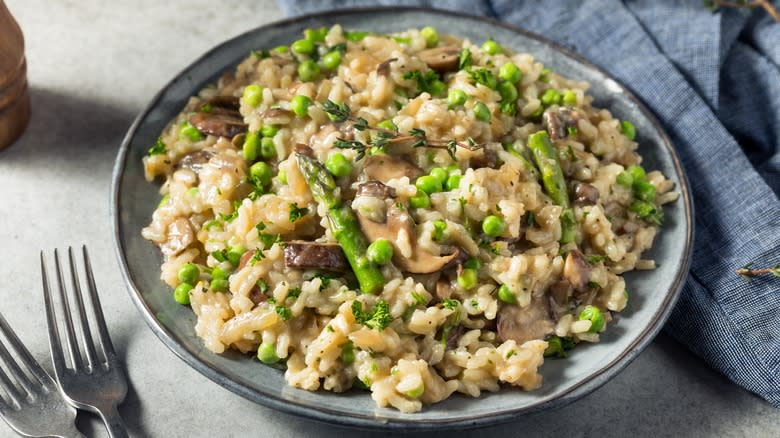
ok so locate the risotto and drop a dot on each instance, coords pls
(411, 214)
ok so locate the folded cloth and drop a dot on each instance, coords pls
(713, 79)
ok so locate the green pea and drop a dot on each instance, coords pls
(218, 273)
(491, 47)
(473, 263)
(440, 174)
(551, 96)
(261, 172)
(300, 105)
(250, 146)
(280, 49)
(189, 273)
(267, 353)
(644, 190)
(308, 71)
(234, 254)
(282, 176)
(355, 36)
(482, 112)
(505, 294)
(453, 182)
(593, 314)
(628, 129)
(253, 95)
(538, 111)
(269, 130)
(625, 179)
(267, 147)
(387, 124)
(438, 230)
(338, 165)
(456, 97)
(331, 60)
(182, 293)
(219, 285)
(493, 226)
(510, 73)
(569, 97)
(437, 87)
(348, 353)
(453, 169)
(420, 200)
(164, 200)
(507, 91)
(428, 184)
(380, 251)
(431, 36)
(637, 172)
(316, 35)
(302, 47)
(191, 132)
(416, 392)
(467, 279)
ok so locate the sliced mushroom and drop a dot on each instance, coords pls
(454, 336)
(441, 59)
(310, 255)
(302, 149)
(577, 270)
(558, 121)
(245, 259)
(523, 324)
(488, 158)
(227, 105)
(220, 125)
(443, 289)
(257, 296)
(383, 69)
(276, 112)
(180, 236)
(195, 160)
(399, 225)
(375, 189)
(385, 167)
(586, 194)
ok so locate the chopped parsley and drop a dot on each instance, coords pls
(483, 76)
(256, 257)
(158, 148)
(531, 219)
(263, 286)
(593, 259)
(294, 292)
(450, 303)
(418, 299)
(572, 131)
(297, 212)
(220, 255)
(557, 346)
(427, 82)
(284, 312)
(377, 318)
(464, 60)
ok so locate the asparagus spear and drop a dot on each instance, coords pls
(552, 179)
(343, 224)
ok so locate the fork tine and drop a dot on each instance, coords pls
(70, 334)
(16, 371)
(8, 386)
(89, 346)
(24, 354)
(55, 343)
(102, 334)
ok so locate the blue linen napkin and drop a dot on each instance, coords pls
(713, 79)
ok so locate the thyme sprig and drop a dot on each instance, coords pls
(748, 273)
(340, 113)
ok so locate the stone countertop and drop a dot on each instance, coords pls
(93, 65)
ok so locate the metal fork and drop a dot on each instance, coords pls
(34, 406)
(91, 380)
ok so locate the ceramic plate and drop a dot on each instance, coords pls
(653, 293)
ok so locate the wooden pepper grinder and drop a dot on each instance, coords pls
(14, 93)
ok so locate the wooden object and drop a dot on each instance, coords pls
(14, 92)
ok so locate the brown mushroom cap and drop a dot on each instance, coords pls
(195, 160)
(586, 194)
(577, 270)
(523, 324)
(559, 120)
(310, 255)
(398, 221)
(220, 125)
(180, 236)
(441, 59)
(383, 69)
(375, 189)
(385, 167)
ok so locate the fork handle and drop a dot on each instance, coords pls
(114, 423)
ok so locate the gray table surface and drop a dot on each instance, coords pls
(93, 65)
